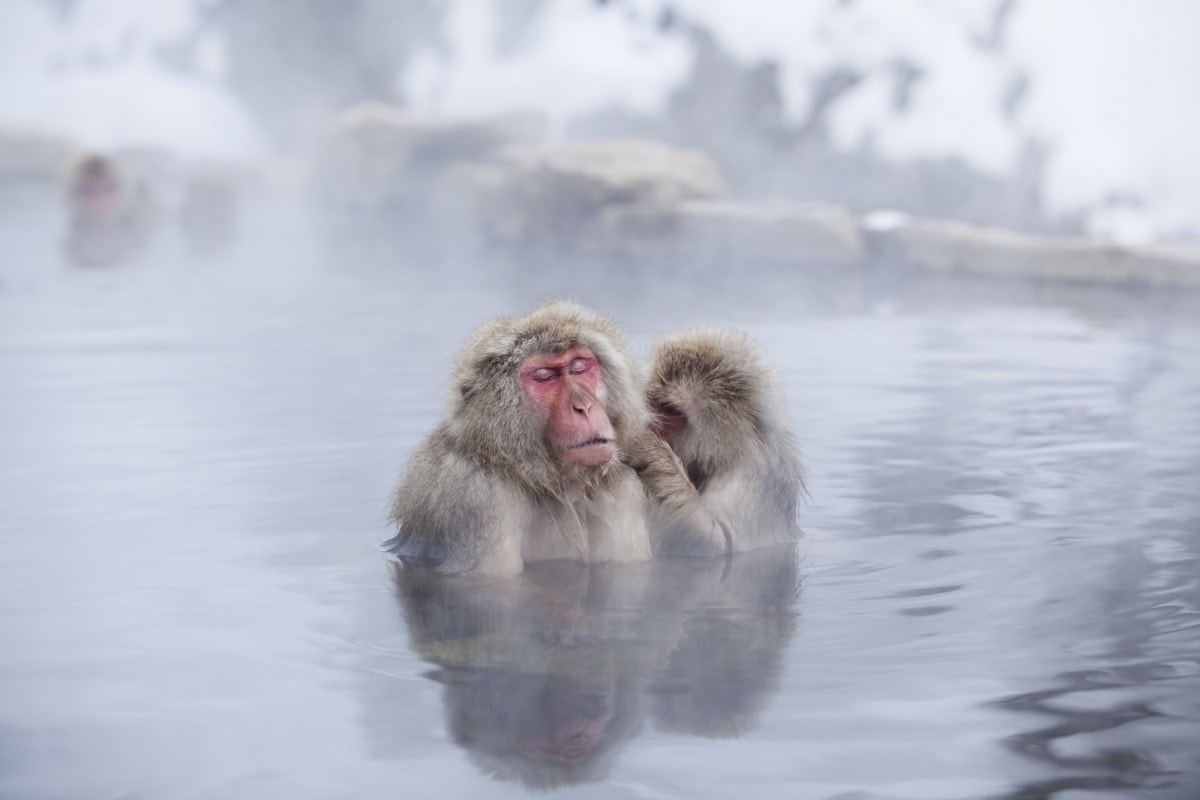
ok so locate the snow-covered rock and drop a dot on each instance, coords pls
(555, 193)
(26, 156)
(732, 233)
(380, 156)
(947, 246)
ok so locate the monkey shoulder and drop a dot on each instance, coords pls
(453, 514)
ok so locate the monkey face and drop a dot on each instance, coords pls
(568, 387)
(96, 197)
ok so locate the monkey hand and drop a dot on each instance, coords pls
(642, 449)
(661, 471)
(683, 525)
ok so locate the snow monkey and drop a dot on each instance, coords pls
(112, 216)
(719, 407)
(526, 464)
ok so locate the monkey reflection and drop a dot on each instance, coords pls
(540, 687)
(112, 214)
(549, 674)
(543, 730)
(725, 666)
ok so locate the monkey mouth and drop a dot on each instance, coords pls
(590, 442)
(595, 451)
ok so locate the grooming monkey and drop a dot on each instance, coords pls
(524, 467)
(731, 477)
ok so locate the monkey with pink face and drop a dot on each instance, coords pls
(525, 466)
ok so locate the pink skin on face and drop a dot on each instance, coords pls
(570, 388)
(576, 720)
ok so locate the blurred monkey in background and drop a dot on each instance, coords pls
(112, 215)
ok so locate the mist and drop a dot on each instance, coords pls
(241, 243)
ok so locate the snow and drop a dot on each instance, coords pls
(1104, 89)
(99, 80)
(1115, 96)
(956, 108)
(1111, 92)
(570, 60)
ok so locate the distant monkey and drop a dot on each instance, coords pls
(731, 478)
(525, 465)
(112, 216)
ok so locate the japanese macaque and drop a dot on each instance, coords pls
(112, 215)
(726, 475)
(525, 465)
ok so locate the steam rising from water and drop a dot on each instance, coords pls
(1015, 113)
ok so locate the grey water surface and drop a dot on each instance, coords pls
(997, 594)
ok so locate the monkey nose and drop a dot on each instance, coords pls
(581, 403)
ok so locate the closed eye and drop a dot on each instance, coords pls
(543, 374)
(578, 366)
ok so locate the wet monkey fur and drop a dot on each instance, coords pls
(731, 479)
(527, 464)
(554, 447)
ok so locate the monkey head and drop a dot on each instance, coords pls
(97, 187)
(548, 398)
(711, 398)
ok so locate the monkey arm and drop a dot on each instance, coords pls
(680, 522)
(756, 503)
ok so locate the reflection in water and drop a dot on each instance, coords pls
(548, 674)
(1096, 730)
(1083, 492)
(1121, 768)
